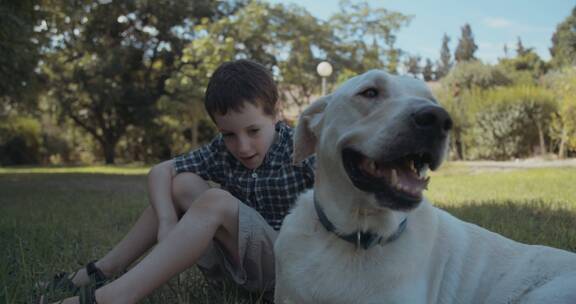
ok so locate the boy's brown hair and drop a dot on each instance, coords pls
(236, 82)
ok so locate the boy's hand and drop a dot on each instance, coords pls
(164, 228)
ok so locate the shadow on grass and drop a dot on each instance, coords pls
(530, 222)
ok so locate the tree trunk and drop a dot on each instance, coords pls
(458, 145)
(541, 138)
(561, 151)
(109, 155)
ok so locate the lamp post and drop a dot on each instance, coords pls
(324, 69)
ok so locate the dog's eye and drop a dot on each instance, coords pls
(369, 93)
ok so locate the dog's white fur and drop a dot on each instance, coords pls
(437, 259)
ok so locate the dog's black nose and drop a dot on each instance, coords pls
(433, 118)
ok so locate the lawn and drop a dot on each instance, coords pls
(60, 218)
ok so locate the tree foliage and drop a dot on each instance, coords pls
(463, 78)
(466, 45)
(563, 48)
(126, 79)
(509, 122)
(563, 129)
(445, 63)
(109, 63)
(412, 65)
(367, 36)
(19, 53)
(428, 71)
(524, 69)
(475, 74)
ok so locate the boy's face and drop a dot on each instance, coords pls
(248, 134)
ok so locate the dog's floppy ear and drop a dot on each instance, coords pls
(308, 129)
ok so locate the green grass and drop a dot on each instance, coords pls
(58, 222)
(458, 183)
(54, 219)
(534, 206)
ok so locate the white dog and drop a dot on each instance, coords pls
(365, 234)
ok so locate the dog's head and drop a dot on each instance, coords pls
(379, 134)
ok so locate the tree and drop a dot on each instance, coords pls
(563, 84)
(445, 63)
(520, 49)
(563, 48)
(428, 71)
(110, 61)
(19, 48)
(526, 68)
(393, 60)
(413, 65)
(505, 48)
(367, 37)
(466, 45)
(307, 41)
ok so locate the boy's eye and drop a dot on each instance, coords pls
(227, 134)
(253, 131)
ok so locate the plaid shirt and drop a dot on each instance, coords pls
(271, 189)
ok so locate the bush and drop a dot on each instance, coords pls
(55, 149)
(20, 140)
(474, 74)
(509, 122)
(563, 129)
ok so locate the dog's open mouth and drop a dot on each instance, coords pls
(401, 180)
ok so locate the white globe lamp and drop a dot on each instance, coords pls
(324, 69)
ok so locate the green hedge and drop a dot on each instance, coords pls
(509, 122)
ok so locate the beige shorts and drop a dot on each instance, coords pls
(256, 251)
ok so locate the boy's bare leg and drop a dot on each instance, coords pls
(213, 215)
(186, 187)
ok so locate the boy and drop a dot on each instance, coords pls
(230, 230)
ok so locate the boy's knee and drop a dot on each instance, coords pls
(218, 203)
(186, 188)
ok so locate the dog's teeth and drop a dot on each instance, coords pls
(372, 166)
(423, 172)
(393, 177)
(404, 188)
(411, 162)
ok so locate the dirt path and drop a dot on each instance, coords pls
(520, 164)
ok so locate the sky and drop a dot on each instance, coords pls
(494, 23)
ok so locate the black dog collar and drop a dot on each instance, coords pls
(364, 239)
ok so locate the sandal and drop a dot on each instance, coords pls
(87, 295)
(97, 277)
(63, 280)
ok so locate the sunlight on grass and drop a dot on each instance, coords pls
(458, 184)
(123, 170)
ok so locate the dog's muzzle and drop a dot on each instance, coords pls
(398, 177)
